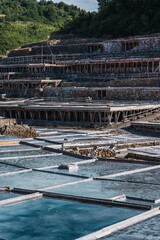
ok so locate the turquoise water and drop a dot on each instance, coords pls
(52, 219)
(34, 180)
(5, 195)
(108, 189)
(56, 220)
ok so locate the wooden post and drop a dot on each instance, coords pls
(100, 117)
(152, 66)
(109, 117)
(25, 115)
(10, 114)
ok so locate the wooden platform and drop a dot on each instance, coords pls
(76, 113)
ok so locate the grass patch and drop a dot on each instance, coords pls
(16, 34)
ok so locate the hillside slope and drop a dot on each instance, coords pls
(28, 21)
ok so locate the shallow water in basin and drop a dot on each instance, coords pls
(108, 189)
(6, 168)
(6, 195)
(152, 176)
(65, 220)
(56, 220)
(147, 230)
(42, 161)
(101, 168)
(34, 180)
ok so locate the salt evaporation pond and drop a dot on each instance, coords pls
(56, 220)
(23, 153)
(147, 230)
(34, 180)
(109, 189)
(4, 195)
(152, 176)
(7, 168)
(100, 168)
(43, 161)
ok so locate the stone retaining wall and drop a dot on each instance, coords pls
(69, 92)
(132, 94)
(144, 94)
(115, 83)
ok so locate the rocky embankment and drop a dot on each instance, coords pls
(23, 131)
(95, 152)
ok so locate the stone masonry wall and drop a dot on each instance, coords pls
(115, 83)
(144, 94)
(130, 94)
(69, 92)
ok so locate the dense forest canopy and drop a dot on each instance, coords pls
(31, 10)
(118, 18)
